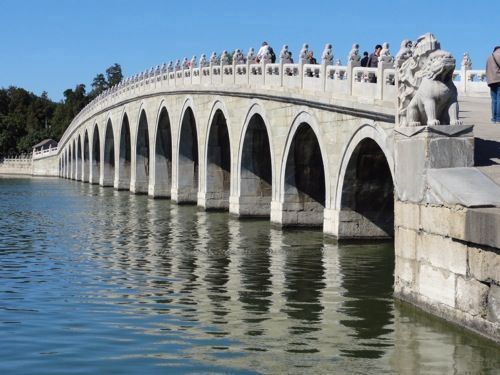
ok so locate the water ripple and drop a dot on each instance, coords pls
(94, 280)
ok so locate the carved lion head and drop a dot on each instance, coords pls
(439, 66)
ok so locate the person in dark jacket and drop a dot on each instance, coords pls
(373, 62)
(373, 59)
(493, 80)
(364, 60)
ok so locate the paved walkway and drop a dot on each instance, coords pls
(477, 112)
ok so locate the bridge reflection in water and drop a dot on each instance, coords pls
(153, 283)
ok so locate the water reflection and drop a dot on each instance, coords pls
(113, 282)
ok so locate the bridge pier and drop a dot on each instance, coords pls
(447, 250)
(250, 206)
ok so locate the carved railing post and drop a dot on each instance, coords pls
(264, 73)
(350, 76)
(322, 75)
(301, 72)
(248, 72)
(463, 78)
(281, 72)
(234, 70)
(210, 71)
(380, 78)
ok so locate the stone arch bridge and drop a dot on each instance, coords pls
(306, 145)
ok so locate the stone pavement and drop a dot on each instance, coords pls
(477, 111)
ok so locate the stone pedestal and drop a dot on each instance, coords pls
(213, 200)
(139, 186)
(121, 184)
(349, 224)
(306, 214)
(183, 196)
(420, 148)
(159, 190)
(250, 206)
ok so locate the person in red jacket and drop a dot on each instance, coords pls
(493, 79)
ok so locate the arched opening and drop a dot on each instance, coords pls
(163, 157)
(108, 175)
(96, 156)
(86, 157)
(218, 172)
(256, 170)
(72, 160)
(67, 168)
(65, 163)
(142, 156)
(367, 203)
(304, 185)
(125, 157)
(79, 159)
(188, 160)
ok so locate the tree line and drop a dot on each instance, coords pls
(26, 119)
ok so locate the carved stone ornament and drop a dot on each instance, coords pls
(251, 56)
(385, 54)
(426, 92)
(327, 55)
(285, 56)
(466, 61)
(203, 60)
(354, 54)
(303, 53)
(238, 57)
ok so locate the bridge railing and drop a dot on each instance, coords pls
(372, 84)
(334, 80)
(45, 152)
(471, 82)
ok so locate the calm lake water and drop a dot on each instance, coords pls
(98, 281)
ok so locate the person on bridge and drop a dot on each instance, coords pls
(493, 79)
(364, 60)
(262, 53)
(373, 62)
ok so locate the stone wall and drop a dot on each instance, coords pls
(448, 263)
(46, 166)
(16, 166)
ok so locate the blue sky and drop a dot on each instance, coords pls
(53, 45)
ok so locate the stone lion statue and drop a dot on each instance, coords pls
(426, 93)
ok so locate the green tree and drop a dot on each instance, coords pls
(114, 74)
(99, 84)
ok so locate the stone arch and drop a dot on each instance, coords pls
(96, 156)
(142, 155)
(187, 160)
(124, 155)
(108, 165)
(79, 158)
(255, 165)
(162, 183)
(304, 174)
(364, 197)
(86, 157)
(218, 160)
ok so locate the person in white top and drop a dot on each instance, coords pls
(263, 51)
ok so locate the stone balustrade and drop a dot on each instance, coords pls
(351, 80)
(471, 82)
(45, 152)
(332, 80)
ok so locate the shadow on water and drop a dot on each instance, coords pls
(108, 281)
